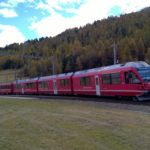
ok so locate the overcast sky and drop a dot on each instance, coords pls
(21, 20)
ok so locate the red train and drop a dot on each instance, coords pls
(131, 79)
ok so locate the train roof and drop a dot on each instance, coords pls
(98, 69)
(26, 80)
(5, 83)
(56, 76)
(137, 64)
(65, 74)
(47, 77)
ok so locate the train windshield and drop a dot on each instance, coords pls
(138, 64)
(145, 74)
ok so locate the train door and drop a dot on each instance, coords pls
(22, 89)
(55, 87)
(97, 84)
(133, 84)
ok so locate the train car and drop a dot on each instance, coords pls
(64, 84)
(29, 86)
(6, 88)
(18, 87)
(87, 82)
(47, 85)
(117, 80)
(60, 84)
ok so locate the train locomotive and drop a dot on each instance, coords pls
(131, 79)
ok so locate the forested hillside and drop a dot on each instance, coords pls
(82, 48)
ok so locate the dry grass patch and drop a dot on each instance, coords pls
(64, 125)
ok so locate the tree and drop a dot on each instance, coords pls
(148, 55)
(140, 50)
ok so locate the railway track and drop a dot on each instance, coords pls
(113, 100)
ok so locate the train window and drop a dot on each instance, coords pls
(85, 81)
(18, 86)
(46, 85)
(4, 87)
(131, 78)
(127, 77)
(106, 78)
(64, 82)
(115, 78)
(43, 85)
(30, 85)
(97, 81)
(61, 82)
(40, 84)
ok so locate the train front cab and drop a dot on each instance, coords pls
(126, 82)
(144, 73)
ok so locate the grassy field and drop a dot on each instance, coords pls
(70, 125)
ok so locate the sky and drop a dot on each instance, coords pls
(22, 20)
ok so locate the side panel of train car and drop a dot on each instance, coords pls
(56, 85)
(87, 83)
(30, 86)
(18, 87)
(6, 88)
(47, 85)
(64, 84)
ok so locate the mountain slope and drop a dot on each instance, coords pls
(81, 48)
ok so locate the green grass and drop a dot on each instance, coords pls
(67, 125)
